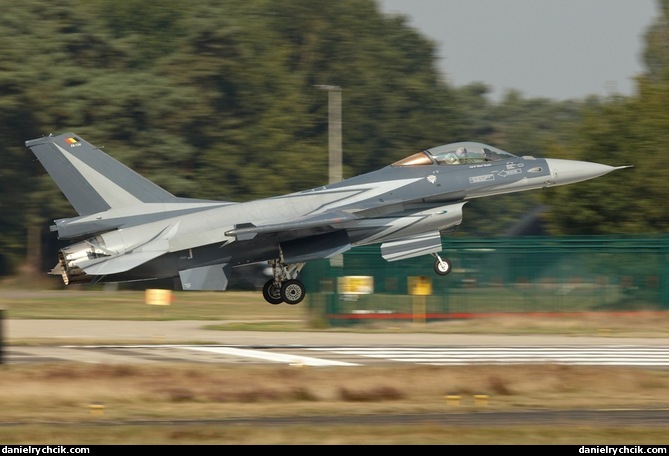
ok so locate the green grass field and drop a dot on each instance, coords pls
(246, 310)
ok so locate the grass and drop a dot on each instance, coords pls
(93, 404)
(247, 311)
(405, 434)
(131, 305)
(57, 403)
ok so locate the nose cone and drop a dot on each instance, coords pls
(570, 171)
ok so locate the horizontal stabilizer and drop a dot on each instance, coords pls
(117, 264)
(423, 244)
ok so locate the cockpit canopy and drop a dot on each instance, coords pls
(459, 153)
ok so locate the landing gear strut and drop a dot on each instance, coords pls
(442, 266)
(284, 287)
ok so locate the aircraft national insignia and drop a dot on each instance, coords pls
(432, 178)
(71, 140)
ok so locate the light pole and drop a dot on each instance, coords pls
(334, 145)
(334, 132)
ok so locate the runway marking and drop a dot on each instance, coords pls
(613, 355)
(270, 356)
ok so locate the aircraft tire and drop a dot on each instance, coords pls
(292, 291)
(443, 266)
(272, 293)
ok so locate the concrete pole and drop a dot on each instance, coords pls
(334, 146)
(334, 132)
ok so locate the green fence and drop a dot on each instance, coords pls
(528, 274)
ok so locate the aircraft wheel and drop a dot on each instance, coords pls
(272, 293)
(442, 266)
(292, 291)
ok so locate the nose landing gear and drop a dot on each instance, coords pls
(442, 266)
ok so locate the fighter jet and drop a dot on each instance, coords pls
(129, 229)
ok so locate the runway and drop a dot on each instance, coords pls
(116, 342)
(606, 355)
(147, 342)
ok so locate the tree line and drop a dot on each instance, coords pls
(219, 99)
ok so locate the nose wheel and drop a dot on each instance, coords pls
(442, 266)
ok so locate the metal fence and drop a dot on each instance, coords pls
(526, 274)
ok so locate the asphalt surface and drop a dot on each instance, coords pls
(41, 341)
(99, 331)
(117, 342)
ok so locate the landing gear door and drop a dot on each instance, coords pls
(214, 277)
(315, 247)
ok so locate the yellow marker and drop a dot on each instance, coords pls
(97, 408)
(481, 399)
(157, 297)
(453, 399)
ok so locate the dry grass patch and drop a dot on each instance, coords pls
(597, 324)
(65, 391)
(49, 394)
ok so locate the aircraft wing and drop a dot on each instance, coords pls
(312, 237)
(325, 222)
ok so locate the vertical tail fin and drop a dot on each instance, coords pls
(91, 180)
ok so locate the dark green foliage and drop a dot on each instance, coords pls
(217, 99)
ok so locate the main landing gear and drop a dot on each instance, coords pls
(284, 287)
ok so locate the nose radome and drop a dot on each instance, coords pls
(570, 171)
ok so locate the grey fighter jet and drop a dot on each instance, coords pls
(129, 228)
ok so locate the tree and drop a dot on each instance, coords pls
(217, 99)
(623, 131)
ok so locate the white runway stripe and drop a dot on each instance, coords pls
(606, 355)
(269, 356)
(612, 355)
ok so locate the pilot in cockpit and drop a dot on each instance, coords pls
(462, 154)
(453, 158)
